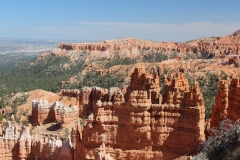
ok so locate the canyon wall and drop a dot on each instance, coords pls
(215, 46)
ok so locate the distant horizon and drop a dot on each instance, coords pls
(95, 40)
(176, 21)
(32, 39)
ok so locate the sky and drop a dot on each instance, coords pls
(93, 20)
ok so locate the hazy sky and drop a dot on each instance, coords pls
(159, 20)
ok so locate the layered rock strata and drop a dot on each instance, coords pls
(44, 112)
(219, 111)
(144, 125)
(44, 147)
(227, 104)
(217, 46)
(138, 123)
(15, 142)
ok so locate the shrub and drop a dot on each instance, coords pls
(223, 137)
(200, 156)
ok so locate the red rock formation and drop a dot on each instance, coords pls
(44, 112)
(141, 80)
(50, 148)
(155, 128)
(219, 111)
(234, 60)
(16, 142)
(234, 100)
(176, 91)
(206, 46)
(227, 104)
(70, 93)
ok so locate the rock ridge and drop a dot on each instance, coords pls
(217, 46)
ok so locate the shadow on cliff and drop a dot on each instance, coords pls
(131, 136)
(51, 117)
(55, 127)
(182, 140)
(16, 153)
(179, 137)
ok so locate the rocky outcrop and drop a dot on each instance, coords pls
(70, 92)
(227, 105)
(146, 125)
(234, 100)
(219, 111)
(16, 141)
(45, 112)
(141, 80)
(176, 90)
(138, 123)
(217, 46)
(51, 148)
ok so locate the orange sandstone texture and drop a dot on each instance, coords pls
(45, 112)
(234, 100)
(219, 111)
(138, 123)
(15, 142)
(148, 125)
(217, 46)
(227, 105)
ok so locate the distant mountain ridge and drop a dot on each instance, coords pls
(132, 48)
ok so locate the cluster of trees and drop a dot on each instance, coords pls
(105, 81)
(14, 104)
(125, 61)
(209, 87)
(155, 57)
(39, 74)
(49, 72)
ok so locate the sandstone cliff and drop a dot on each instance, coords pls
(133, 48)
(227, 102)
(15, 142)
(156, 126)
(44, 112)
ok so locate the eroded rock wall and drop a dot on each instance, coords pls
(141, 129)
(137, 124)
(217, 46)
(16, 142)
(227, 105)
(219, 111)
(233, 111)
(45, 147)
(44, 112)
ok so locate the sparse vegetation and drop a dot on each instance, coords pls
(209, 86)
(223, 141)
(105, 81)
(66, 134)
(155, 57)
(200, 156)
(125, 61)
